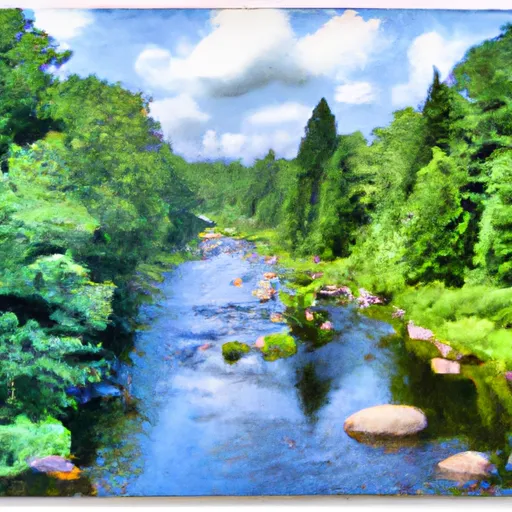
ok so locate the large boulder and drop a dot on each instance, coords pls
(385, 421)
(466, 466)
(445, 366)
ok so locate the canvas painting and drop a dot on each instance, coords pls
(260, 252)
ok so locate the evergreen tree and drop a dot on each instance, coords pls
(341, 212)
(435, 223)
(316, 147)
(319, 141)
(438, 114)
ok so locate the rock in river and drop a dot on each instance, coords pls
(56, 466)
(444, 366)
(466, 465)
(386, 421)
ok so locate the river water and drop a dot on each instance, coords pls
(205, 427)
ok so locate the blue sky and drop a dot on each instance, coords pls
(233, 84)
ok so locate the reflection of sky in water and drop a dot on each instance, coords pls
(215, 428)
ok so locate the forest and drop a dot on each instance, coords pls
(94, 205)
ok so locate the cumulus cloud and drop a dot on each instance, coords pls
(277, 114)
(355, 93)
(278, 127)
(179, 116)
(247, 49)
(339, 46)
(248, 146)
(426, 51)
(62, 24)
(183, 123)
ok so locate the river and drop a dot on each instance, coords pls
(205, 427)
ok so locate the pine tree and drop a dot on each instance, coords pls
(319, 141)
(316, 147)
(438, 114)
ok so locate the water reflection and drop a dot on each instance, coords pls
(313, 391)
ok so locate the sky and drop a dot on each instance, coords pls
(233, 84)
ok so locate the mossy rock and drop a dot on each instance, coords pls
(278, 346)
(424, 350)
(234, 351)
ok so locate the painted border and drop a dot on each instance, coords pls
(255, 4)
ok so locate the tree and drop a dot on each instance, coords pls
(341, 211)
(319, 140)
(435, 224)
(316, 147)
(438, 114)
(494, 248)
(25, 55)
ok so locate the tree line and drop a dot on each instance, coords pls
(429, 199)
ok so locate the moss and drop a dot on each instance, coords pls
(424, 350)
(234, 351)
(278, 346)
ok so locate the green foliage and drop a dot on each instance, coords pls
(438, 113)
(36, 368)
(436, 223)
(24, 440)
(319, 140)
(25, 54)
(341, 211)
(234, 351)
(494, 250)
(278, 346)
(474, 319)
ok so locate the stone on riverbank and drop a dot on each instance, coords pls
(336, 291)
(419, 333)
(443, 348)
(466, 465)
(445, 366)
(385, 421)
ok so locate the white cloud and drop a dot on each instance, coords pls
(355, 93)
(277, 127)
(179, 116)
(277, 114)
(342, 44)
(247, 49)
(62, 24)
(248, 146)
(426, 51)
